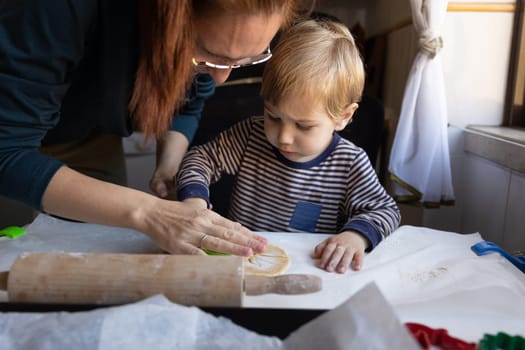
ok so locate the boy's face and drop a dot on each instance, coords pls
(301, 132)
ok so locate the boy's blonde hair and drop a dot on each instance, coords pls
(317, 61)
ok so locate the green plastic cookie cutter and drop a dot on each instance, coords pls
(213, 252)
(12, 232)
(501, 341)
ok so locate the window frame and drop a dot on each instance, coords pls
(514, 110)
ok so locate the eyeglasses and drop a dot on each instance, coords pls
(243, 62)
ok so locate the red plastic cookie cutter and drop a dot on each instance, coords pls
(430, 338)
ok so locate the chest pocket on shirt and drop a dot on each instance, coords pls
(305, 216)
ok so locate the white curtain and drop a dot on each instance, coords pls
(419, 160)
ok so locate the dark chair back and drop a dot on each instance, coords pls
(366, 129)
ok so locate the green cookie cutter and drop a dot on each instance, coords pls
(12, 232)
(501, 341)
(213, 252)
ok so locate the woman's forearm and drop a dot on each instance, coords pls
(73, 195)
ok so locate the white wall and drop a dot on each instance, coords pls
(140, 161)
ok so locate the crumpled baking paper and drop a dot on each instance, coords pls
(365, 321)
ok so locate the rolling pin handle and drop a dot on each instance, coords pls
(257, 285)
(283, 284)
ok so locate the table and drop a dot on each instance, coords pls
(428, 276)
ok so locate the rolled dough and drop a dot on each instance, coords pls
(272, 262)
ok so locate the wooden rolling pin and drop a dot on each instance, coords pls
(89, 278)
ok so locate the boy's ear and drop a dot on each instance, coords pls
(346, 117)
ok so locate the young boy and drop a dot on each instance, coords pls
(293, 172)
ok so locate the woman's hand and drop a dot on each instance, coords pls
(339, 252)
(182, 228)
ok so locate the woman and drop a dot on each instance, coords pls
(77, 75)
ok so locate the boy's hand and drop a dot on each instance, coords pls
(339, 252)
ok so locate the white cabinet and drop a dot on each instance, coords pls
(140, 161)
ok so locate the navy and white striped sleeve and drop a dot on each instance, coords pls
(205, 164)
(371, 210)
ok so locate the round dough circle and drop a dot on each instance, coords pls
(272, 262)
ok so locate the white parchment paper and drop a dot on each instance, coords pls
(365, 321)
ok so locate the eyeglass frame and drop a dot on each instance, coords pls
(243, 62)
